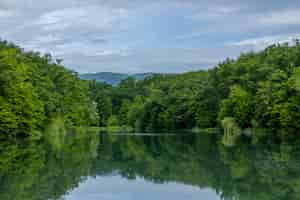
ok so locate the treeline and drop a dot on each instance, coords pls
(256, 90)
(35, 89)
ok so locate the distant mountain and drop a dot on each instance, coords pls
(113, 78)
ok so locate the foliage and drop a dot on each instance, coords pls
(258, 89)
(34, 89)
(232, 131)
(113, 121)
(238, 105)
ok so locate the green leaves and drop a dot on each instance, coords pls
(239, 106)
(257, 89)
(33, 89)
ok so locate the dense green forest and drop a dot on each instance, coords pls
(256, 90)
(259, 90)
(34, 89)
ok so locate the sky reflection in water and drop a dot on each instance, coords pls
(117, 188)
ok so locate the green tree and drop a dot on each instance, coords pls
(239, 106)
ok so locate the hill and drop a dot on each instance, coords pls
(113, 78)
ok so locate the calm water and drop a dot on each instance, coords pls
(93, 166)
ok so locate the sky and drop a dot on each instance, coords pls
(137, 36)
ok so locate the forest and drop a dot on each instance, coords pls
(256, 90)
(35, 89)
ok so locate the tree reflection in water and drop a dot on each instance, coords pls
(44, 170)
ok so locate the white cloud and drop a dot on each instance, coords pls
(90, 16)
(6, 13)
(120, 52)
(262, 42)
(227, 9)
(285, 17)
(215, 12)
(57, 16)
(46, 39)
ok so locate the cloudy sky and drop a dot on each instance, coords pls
(147, 35)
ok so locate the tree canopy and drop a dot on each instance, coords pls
(34, 89)
(258, 89)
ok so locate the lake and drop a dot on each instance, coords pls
(86, 165)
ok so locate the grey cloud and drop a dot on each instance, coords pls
(98, 35)
(154, 60)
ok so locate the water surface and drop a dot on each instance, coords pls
(92, 166)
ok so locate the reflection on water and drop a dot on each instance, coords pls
(86, 165)
(118, 188)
